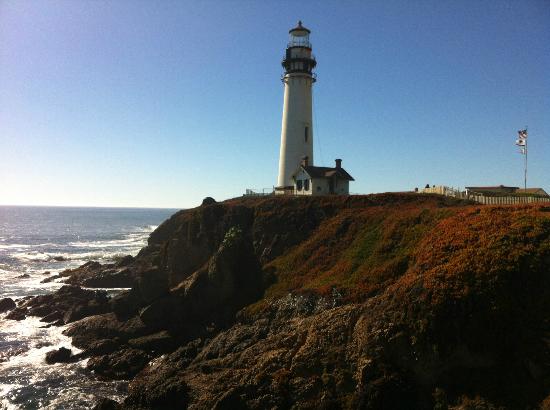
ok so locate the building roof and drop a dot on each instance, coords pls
(537, 191)
(325, 172)
(299, 27)
(499, 188)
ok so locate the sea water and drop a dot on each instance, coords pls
(38, 242)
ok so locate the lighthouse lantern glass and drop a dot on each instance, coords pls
(299, 38)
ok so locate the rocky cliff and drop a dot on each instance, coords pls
(375, 302)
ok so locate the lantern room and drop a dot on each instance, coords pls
(298, 57)
(299, 36)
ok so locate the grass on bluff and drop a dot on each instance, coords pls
(357, 251)
(365, 245)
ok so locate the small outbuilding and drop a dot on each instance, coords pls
(312, 180)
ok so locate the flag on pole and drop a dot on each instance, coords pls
(522, 140)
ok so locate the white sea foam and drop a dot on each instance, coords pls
(60, 385)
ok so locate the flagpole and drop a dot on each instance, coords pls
(525, 170)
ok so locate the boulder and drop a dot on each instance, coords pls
(122, 364)
(102, 347)
(208, 201)
(125, 261)
(6, 304)
(126, 304)
(106, 404)
(53, 317)
(19, 313)
(90, 330)
(61, 355)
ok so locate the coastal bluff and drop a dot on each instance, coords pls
(385, 301)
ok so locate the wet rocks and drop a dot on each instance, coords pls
(61, 355)
(95, 328)
(7, 304)
(72, 302)
(53, 317)
(106, 404)
(157, 343)
(122, 364)
(126, 304)
(208, 201)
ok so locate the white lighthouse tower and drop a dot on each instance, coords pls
(297, 126)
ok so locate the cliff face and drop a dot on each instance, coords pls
(382, 301)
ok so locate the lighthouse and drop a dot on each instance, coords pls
(297, 125)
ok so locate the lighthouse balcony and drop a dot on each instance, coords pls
(299, 64)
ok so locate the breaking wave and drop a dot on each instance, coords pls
(35, 244)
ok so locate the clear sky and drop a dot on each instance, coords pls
(145, 103)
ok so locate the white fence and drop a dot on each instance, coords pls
(486, 200)
(506, 200)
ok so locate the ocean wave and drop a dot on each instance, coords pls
(119, 243)
(72, 256)
(26, 381)
(15, 246)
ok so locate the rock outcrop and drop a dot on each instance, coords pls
(378, 302)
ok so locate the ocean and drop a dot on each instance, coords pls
(37, 242)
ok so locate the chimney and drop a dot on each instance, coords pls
(338, 163)
(305, 161)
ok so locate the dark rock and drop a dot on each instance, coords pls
(47, 273)
(162, 313)
(7, 304)
(109, 278)
(72, 301)
(208, 201)
(24, 276)
(152, 284)
(160, 390)
(106, 404)
(126, 304)
(59, 258)
(157, 343)
(40, 310)
(50, 279)
(122, 364)
(77, 276)
(125, 261)
(59, 322)
(61, 355)
(90, 330)
(102, 347)
(19, 313)
(53, 317)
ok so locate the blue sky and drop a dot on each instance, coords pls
(141, 103)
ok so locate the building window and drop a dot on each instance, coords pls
(318, 189)
(306, 134)
(306, 185)
(299, 185)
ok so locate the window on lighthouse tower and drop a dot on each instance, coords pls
(306, 134)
